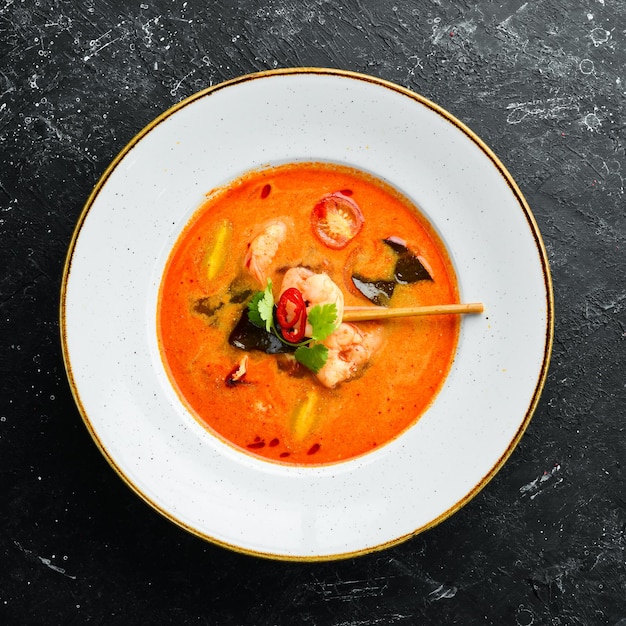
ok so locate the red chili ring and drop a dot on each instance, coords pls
(291, 315)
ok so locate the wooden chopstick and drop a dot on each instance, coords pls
(364, 313)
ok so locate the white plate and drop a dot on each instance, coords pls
(112, 275)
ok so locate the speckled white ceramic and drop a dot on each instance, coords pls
(108, 314)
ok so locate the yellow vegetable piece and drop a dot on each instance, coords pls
(216, 254)
(303, 418)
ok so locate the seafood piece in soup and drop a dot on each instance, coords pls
(263, 248)
(350, 349)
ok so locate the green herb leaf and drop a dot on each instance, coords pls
(323, 320)
(261, 308)
(253, 310)
(313, 357)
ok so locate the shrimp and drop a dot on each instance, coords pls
(349, 351)
(315, 289)
(349, 348)
(262, 249)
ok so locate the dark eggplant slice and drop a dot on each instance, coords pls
(239, 297)
(247, 336)
(409, 268)
(396, 244)
(209, 307)
(376, 291)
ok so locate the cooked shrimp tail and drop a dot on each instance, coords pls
(263, 247)
(350, 350)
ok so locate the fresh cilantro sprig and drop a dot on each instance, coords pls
(312, 356)
(323, 320)
(261, 308)
(321, 317)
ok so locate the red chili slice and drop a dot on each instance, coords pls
(336, 220)
(291, 315)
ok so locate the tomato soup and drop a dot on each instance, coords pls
(268, 404)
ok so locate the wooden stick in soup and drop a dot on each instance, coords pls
(360, 314)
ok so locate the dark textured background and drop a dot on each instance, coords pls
(543, 83)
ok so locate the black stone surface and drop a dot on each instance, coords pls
(543, 83)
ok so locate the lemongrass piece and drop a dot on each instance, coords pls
(216, 255)
(303, 417)
(364, 313)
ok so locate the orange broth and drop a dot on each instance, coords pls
(276, 413)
